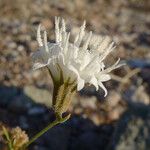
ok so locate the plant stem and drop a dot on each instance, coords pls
(52, 124)
(10, 146)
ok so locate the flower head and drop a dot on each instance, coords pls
(81, 61)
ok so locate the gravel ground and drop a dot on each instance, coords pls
(94, 118)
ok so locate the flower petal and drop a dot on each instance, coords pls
(82, 63)
(103, 87)
(104, 77)
(80, 81)
(94, 82)
(80, 84)
(38, 65)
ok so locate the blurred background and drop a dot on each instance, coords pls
(120, 121)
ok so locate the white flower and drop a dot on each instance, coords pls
(81, 60)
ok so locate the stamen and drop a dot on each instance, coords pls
(80, 36)
(39, 39)
(45, 42)
(85, 46)
(57, 20)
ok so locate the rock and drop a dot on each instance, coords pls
(80, 124)
(23, 122)
(6, 94)
(113, 99)
(139, 63)
(47, 23)
(136, 94)
(88, 102)
(36, 147)
(95, 118)
(91, 91)
(57, 138)
(88, 91)
(115, 113)
(36, 110)
(132, 132)
(12, 45)
(144, 39)
(141, 96)
(19, 104)
(145, 74)
(87, 141)
(38, 95)
(93, 139)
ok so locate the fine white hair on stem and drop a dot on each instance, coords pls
(39, 39)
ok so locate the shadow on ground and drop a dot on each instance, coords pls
(17, 109)
(130, 132)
